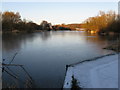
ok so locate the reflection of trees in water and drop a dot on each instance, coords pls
(93, 39)
(12, 42)
(45, 35)
(101, 41)
(67, 33)
(109, 38)
(96, 42)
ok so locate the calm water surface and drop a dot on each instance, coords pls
(45, 54)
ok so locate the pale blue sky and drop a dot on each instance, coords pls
(58, 12)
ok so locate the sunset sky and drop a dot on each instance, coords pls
(58, 12)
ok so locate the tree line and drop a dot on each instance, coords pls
(12, 22)
(68, 26)
(104, 22)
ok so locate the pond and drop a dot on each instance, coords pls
(46, 54)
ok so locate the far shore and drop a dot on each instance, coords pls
(17, 31)
(24, 31)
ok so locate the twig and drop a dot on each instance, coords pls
(13, 58)
(27, 73)
(11, 71)
(11, 64)
(11, 74)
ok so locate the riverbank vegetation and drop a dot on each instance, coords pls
(68, 26)
(12, 22)
(104, 23)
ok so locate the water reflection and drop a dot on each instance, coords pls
(45, 54)
(45, 35)
(15, 41)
